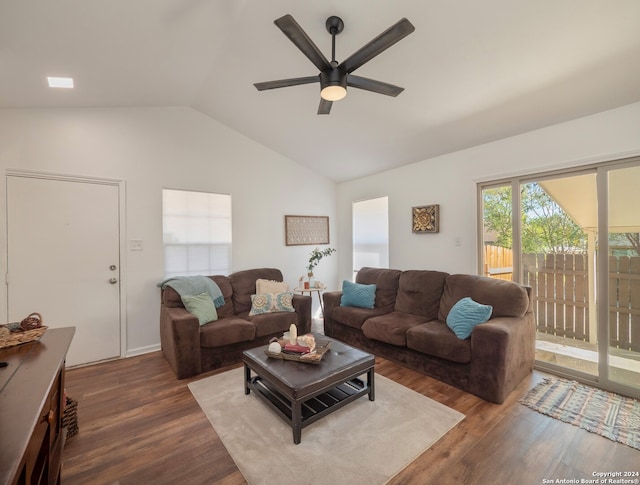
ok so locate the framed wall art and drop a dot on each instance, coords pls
(425, 218)
(301, 230)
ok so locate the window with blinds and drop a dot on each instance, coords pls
(196, 230)
(370, 233)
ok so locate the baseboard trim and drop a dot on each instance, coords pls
(143, 350)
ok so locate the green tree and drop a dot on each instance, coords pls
(630, 240)
(546, 227)
(634, 240)
(497, 214)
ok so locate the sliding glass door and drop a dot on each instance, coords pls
(497, 234)
(574, 238)
(621, 344)
(558, 246)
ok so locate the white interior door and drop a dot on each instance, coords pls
(64, 260)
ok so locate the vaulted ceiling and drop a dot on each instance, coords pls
(473, 71)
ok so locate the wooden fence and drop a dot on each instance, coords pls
(560, 284)
(498, 262)
(624, 302)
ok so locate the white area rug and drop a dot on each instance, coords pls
(363, 443)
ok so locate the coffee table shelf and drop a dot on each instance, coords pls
(315, 407)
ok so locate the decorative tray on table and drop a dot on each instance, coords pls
(313, 357)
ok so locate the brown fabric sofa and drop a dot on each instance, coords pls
(192, 349)
(407, 325)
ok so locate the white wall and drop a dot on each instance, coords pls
(450, 180)
(155, 148)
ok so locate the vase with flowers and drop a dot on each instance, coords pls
(315, 258)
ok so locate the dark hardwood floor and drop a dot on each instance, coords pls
(139, 424)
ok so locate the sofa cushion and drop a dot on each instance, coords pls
(436, 339)
(465, 315)
(392, 327)
(282, 302)
(171, 298)
(419, 292)
(260, 304)
(270, 323)
(358, 295)
(271, 303)
(270, 286)
(386, 281)
(507, 298)
(354, 317)
(244, 285)
(224, 284)
(201, 306)
(226, 331)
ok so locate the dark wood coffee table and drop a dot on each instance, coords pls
(302, 393)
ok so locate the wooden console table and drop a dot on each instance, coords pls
(31, 407)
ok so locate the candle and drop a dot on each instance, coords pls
(293, 334)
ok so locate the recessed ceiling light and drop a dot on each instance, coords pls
(60, 82)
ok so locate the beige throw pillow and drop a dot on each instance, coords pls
(270, 286)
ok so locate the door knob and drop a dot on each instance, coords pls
(113, 281)
(112, 267)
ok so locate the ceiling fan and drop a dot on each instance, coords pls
(334, 77)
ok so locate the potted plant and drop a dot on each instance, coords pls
(315, 257)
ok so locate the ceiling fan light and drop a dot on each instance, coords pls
(333, 85)
(333, 93)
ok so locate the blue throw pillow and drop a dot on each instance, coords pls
(355, 294)
(465, 315)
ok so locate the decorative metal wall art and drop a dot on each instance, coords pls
(425, 218)
(301, 230)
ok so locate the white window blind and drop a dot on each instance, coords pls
(196, 233)
(371, 233)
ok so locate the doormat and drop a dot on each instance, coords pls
(601, 412)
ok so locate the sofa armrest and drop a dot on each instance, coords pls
(502, 354)
(180, 341)
(331, 299)
(302, 306)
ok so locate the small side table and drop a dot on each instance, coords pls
(311, 291)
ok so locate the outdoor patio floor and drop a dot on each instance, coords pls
(583, 357)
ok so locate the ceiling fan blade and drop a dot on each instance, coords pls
(283, 83)
(393, 34)
(325, 106)
(372, 85)
(299, 37)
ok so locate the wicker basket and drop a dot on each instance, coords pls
(17, 338)
(70, 416)
(32, 329)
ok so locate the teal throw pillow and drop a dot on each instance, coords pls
(201, 306)
(358, 295)
(465, 315)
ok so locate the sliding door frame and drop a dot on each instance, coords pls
(601, 170)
